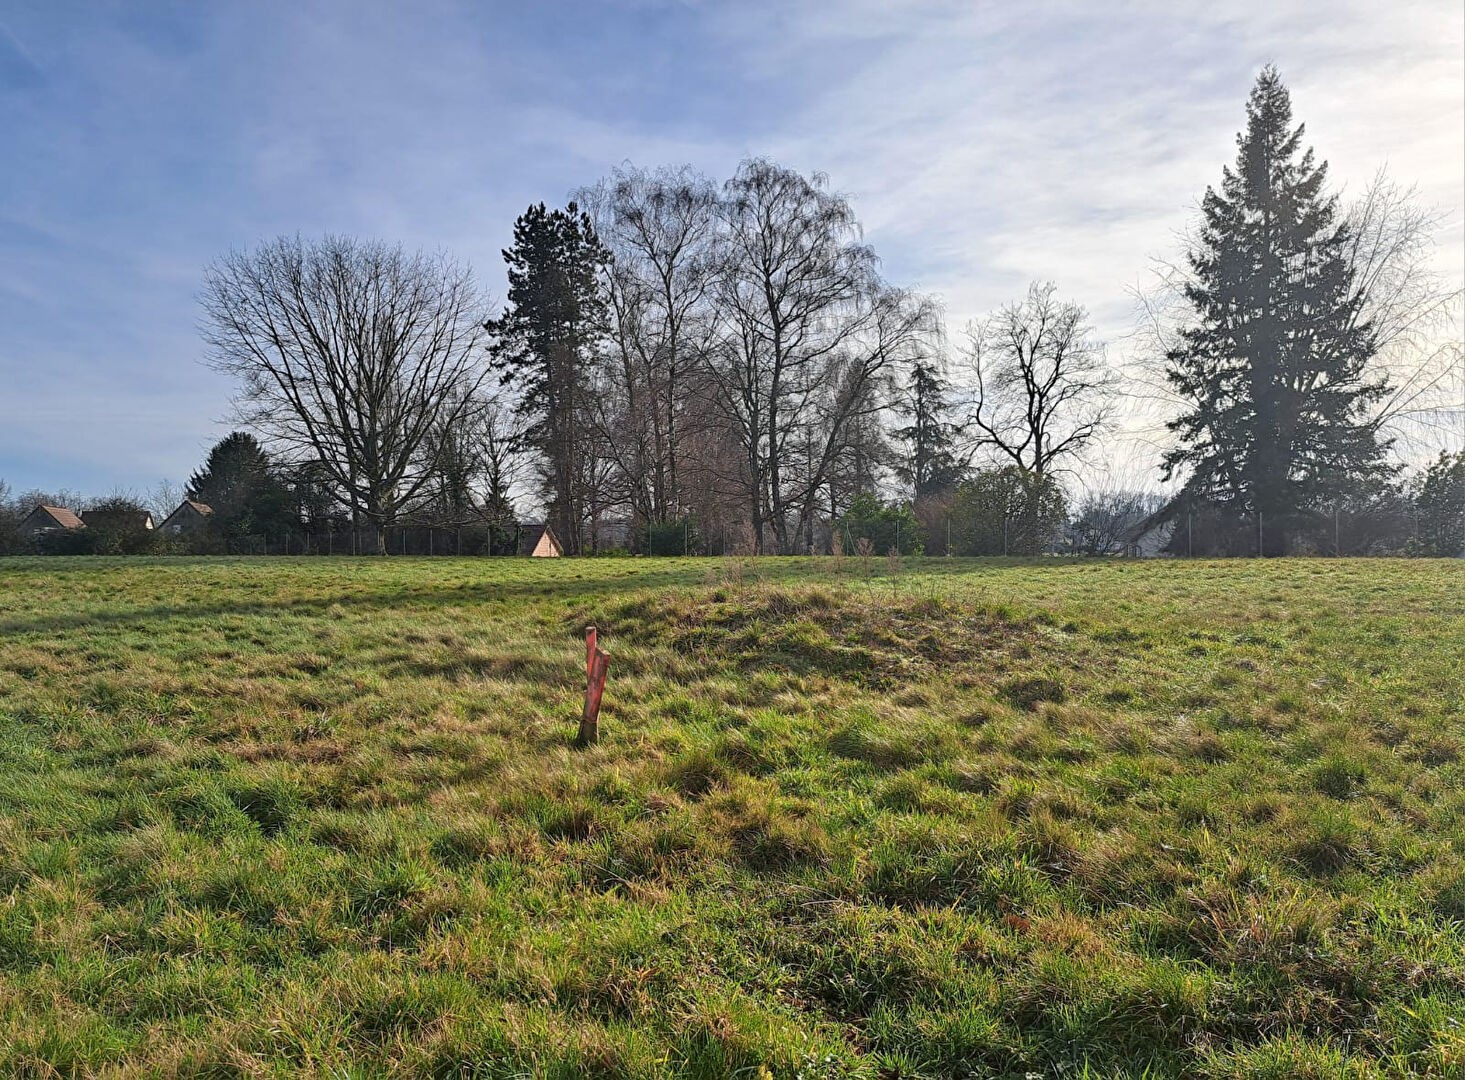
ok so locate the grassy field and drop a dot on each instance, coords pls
(956, 818)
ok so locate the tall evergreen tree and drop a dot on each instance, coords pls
(239, 483)
(555, 317)
(1275, 365)
(930, 466)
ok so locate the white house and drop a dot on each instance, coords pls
(1150, 538)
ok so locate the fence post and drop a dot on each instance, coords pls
(597, 662)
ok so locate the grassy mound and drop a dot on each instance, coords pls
(876, 640)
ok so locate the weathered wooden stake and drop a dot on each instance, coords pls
(597, 662)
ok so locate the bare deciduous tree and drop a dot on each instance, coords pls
(1411, 310)
(660, 228)
(498, 437)
(1106, 514)
(350, 353)
(163, 498)
(898, 329)
(806, 330)
(1041, 393)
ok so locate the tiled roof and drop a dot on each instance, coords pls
(62, 516)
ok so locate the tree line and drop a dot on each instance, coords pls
(686, 365)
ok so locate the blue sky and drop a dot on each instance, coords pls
(984, 145)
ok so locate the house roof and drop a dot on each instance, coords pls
(529, 534)
(63, 517)
(201, 509)
(1165, 514)
(141, 518)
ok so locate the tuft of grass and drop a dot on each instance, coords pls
(1339, 776)
(1328, 841)
(1030, 691)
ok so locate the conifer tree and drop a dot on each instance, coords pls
(930, 466)
(239, 483)
(556, 314)
(1440, 507)
(1275, 364)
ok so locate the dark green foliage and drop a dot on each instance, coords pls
(675, 537)
(1007, 511)
(930, 465)
(885, 525)
(1275, 365)
(240, 484)
(1440, 508)
(313, 500)
(114, 526)
(555, 315)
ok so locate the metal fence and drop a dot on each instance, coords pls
(392, 540)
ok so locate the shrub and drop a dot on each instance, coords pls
(884, 525)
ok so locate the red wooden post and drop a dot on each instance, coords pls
(598, 663)
(591, 637)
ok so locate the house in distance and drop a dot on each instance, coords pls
(539, 541)
(118, 520)
(48, 519)
(190, 517)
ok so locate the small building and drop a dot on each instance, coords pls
(118, 520)
(190, 517)
(539, 541)
(48, 519)
(1150, 539)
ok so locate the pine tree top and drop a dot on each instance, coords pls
(1274, 176)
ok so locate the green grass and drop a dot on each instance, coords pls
(1109, 819)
